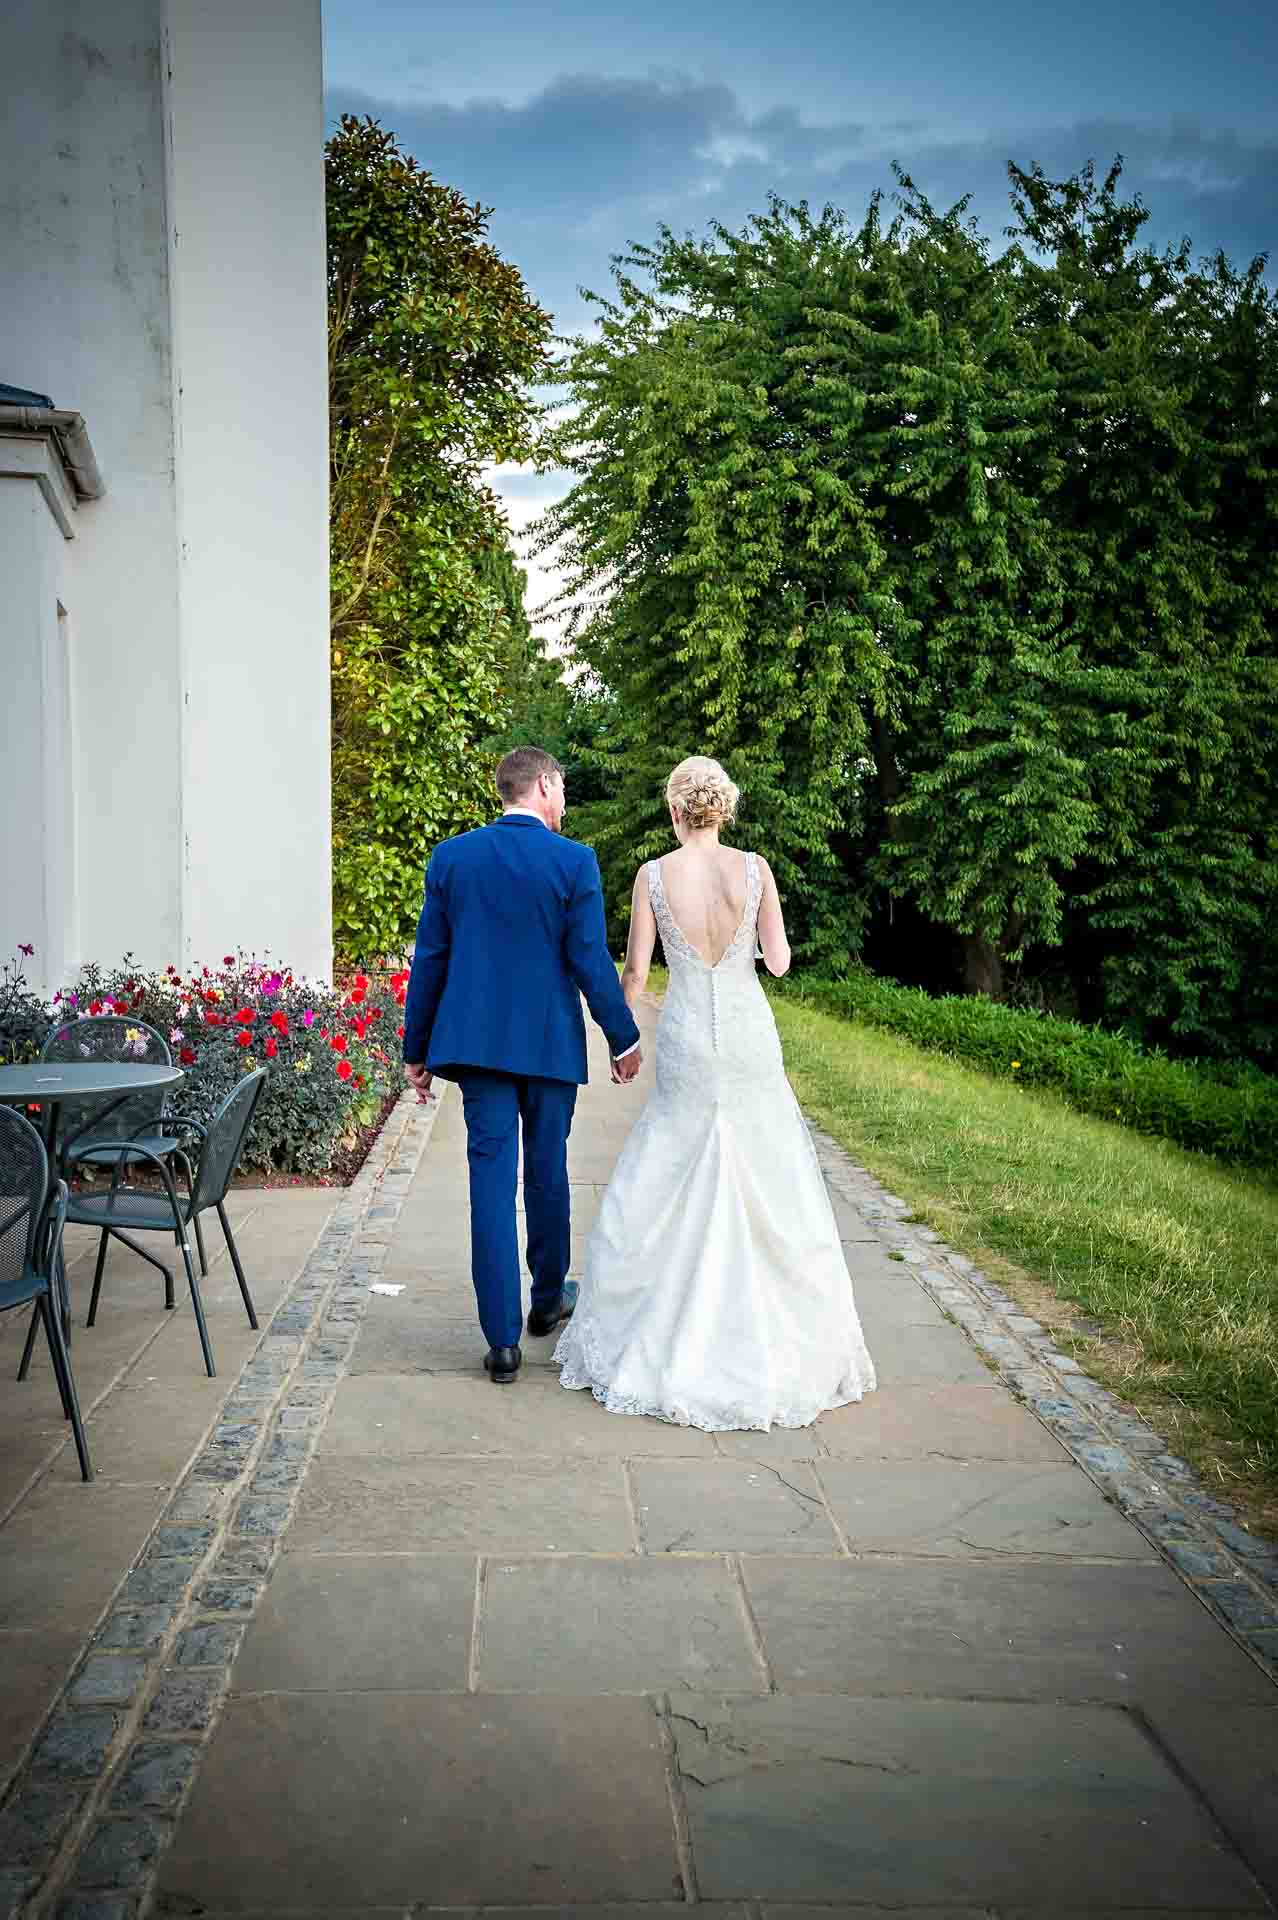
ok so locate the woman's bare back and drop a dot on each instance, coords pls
(705, 889)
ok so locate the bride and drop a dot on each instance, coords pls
(715, 1291)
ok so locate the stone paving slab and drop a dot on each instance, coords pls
(931, 1801)
(743, 1506)
(966, 1420)
(1231, 1758)
(597, 1626)
(403, 1416)
(367, 1800)
(1074, 1632)
(365, 1503)
(332, 1623)
(432, 1334)
(977, 1508)
(905, 1355)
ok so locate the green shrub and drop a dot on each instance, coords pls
(1230, 1110)
(331, 1054)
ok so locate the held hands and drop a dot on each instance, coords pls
(624, 1071)
(419, 1078)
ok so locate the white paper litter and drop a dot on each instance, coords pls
(384, 1286)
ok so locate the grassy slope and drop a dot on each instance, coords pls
(1172, 1255)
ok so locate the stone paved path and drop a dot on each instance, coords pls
(518, 1652)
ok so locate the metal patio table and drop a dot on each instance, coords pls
(51, 1082)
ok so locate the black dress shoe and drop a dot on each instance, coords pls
(540, 1324)
(501, 1364)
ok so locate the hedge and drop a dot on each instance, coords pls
(1229, 1110)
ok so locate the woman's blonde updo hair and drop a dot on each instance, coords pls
(701, 793)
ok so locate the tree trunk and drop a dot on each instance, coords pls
(982, 966)
(887, 773)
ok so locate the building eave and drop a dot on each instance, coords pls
(67, 429)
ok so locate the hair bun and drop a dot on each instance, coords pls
(701, 793)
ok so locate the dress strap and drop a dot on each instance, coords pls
(671, 937)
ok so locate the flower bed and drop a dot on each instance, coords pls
(331, 1054)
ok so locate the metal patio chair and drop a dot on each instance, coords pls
(93, 1138)
(126, 1210)
(31, 1223)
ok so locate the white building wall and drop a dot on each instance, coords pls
(247, 210)
(162, 272)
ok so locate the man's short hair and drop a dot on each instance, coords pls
(521, 769)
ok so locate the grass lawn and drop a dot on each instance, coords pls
(1156, 1267)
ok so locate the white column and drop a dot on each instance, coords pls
(246, 206)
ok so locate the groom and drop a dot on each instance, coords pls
(511, 936)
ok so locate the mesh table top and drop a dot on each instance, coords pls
(49, 1080)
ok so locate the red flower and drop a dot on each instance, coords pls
(338, 1043)
(359, 1079)
(95, 1006)
(213, 1020)
(400, 1032)
(186, 1057)
(244, 1037)
(356, 995)
(360, 1027)
(272, 1046)
(129, 985)
(279, 1020)
(375, 1013)
(361, 982)
(400, 996)
(228, 959)
(212, 996)
(344, 1069)
(245, 1016)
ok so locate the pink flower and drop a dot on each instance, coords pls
(308, 1018)
(24, 948)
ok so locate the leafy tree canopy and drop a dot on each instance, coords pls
(434, 347)
(965, 563)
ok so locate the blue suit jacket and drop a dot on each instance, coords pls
(511, 936)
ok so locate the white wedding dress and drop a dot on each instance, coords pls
(715, 1291)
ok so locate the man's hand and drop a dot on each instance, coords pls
(419, 1077)
(624, 1071)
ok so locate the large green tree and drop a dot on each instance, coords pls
(434, 347)
(938, 547)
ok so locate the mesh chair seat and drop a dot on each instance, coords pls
(147, 1212)
(97, 1151)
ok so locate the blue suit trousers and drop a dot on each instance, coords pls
(496, 1105)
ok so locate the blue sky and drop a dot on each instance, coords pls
(585, 125)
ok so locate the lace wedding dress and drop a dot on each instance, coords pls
(715, 1292)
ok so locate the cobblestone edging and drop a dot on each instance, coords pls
(1232, 1572)
(92, 1811)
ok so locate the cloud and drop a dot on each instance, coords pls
(590, 165)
